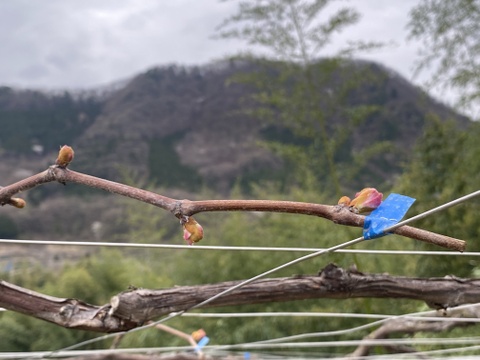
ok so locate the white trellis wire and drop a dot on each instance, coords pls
(258, 345)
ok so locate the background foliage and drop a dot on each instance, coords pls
(312, 112)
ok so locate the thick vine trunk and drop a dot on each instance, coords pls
(132, 308)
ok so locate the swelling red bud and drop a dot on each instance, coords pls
(366, 200)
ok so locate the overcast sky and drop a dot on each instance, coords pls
(86, 43)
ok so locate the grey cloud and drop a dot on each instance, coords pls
(58, 43)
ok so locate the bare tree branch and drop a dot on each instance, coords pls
(184, 208)
(133, 308)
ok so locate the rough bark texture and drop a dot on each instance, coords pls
(332, 282)
(135, 307)
(69, 313)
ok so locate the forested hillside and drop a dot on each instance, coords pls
(192, 125)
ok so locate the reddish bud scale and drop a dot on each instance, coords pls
(65, 156)
(366, 200)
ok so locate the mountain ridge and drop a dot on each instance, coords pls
(194, 116)
(181, 129)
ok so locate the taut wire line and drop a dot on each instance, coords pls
(280, 267)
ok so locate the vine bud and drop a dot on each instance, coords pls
(17, 202)
(344, 201)
(199, 334)
(65, 156)
(366, 200)
(192, 230)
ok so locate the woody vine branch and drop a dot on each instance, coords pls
(184, 209)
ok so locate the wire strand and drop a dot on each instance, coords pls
(257, 346)
(364, 326)
(433, 211)
(283, 266)
(332, 315)
(230, 248)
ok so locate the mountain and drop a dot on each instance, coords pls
(181, 126)
(185, 127)
(178, 126)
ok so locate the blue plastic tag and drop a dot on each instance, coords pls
(203, 341)
(390, 212)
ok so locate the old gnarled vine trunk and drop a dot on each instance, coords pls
(133, 308)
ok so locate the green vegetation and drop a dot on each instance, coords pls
(445, 166)
(313, 113)
(98, 277)
(46, 120)
(94, 279)
(165, 165)
(435, 176)
(450, 33)
(320, 103)
(8, 228)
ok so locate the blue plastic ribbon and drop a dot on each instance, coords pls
(202, 342)
(390, 212)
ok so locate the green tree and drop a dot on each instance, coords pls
(94, 279)
(276, 230)
(449, 32)
(296, 90)
(46, 120)
(98, 277)
(444, 167)
(8, 228)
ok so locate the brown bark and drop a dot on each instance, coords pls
(135, 307)
(184, 208)
(68, 313)
(333, 283)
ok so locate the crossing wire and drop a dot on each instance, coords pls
(275, 269)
